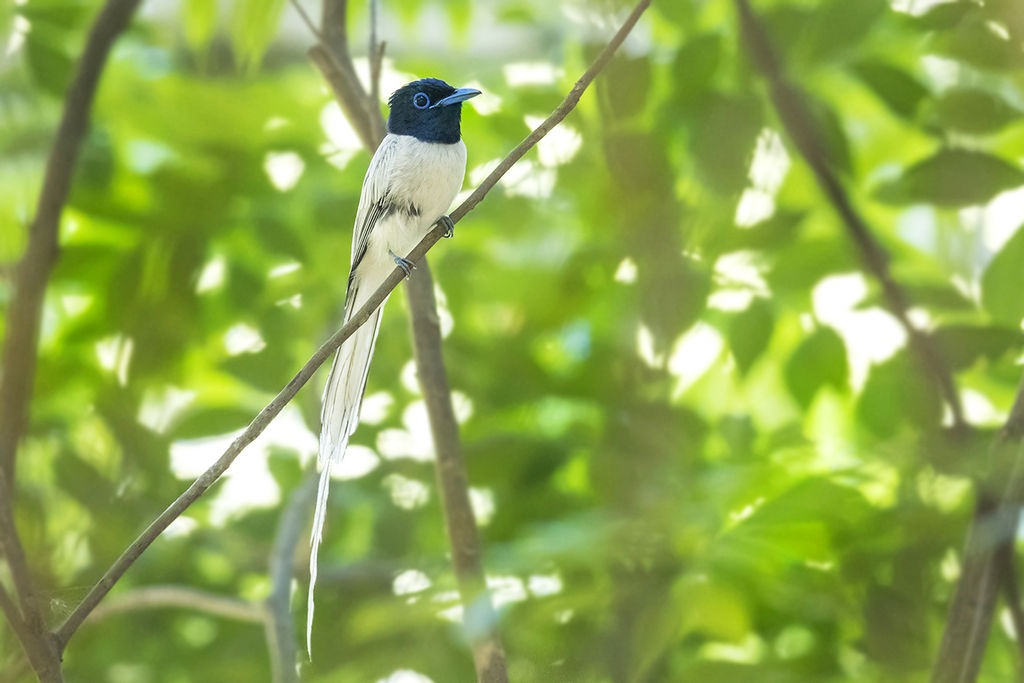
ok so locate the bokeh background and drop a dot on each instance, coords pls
(698, 447)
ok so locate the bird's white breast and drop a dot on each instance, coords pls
(424, 175)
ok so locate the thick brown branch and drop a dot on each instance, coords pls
(20, 353)
(453, 482)
(803, 130)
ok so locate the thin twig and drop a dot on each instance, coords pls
(803, 130)
(260, 422)
(184, 597)
(306, 20)
(280, 627)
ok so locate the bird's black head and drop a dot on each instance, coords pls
(428, 109)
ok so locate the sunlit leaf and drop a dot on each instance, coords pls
(975, 110)
(1001, 282)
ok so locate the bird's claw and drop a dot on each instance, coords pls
(449, 226)
(405, 264)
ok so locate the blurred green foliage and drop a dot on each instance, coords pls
(700, 449)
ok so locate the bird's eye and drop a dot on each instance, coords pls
(420, 100)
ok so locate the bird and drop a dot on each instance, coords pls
(412, 179)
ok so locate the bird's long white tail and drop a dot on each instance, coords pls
(339, 418)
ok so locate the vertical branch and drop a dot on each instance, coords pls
(452, 480)
(280, 628)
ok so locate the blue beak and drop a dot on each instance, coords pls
(460, 95)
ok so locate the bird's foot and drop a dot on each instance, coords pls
(405, 264)
(449, 226)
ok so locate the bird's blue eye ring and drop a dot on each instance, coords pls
(420, 100)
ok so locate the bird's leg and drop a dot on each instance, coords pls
(403, 263)
(449, 226)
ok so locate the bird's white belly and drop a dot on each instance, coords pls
(423, 175)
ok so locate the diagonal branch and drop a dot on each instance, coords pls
(265, 416)
(803, 130)
(988, 552)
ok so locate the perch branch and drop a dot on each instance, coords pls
(256, 427)
(260, 422)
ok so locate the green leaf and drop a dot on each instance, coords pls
(1002, 282)
(253, 25)
(978, 43)
(819, 360)
(750, 332)
(953, 178)
(50, 66)
(695, 65)
(963, 345)
(974, 110)
(724, 132)
(898, 392)
(839, 25)
(901, 92)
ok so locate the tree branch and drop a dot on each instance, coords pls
(185, 597)
(991, 534)
(28, 623)
(453, 482)
(280, 628)
(265, 416)
(803, 130)
(994, 524)
(33, 272)
(20, 353)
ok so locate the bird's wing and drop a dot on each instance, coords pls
(373, 200)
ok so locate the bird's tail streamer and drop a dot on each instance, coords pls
(338, 419)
